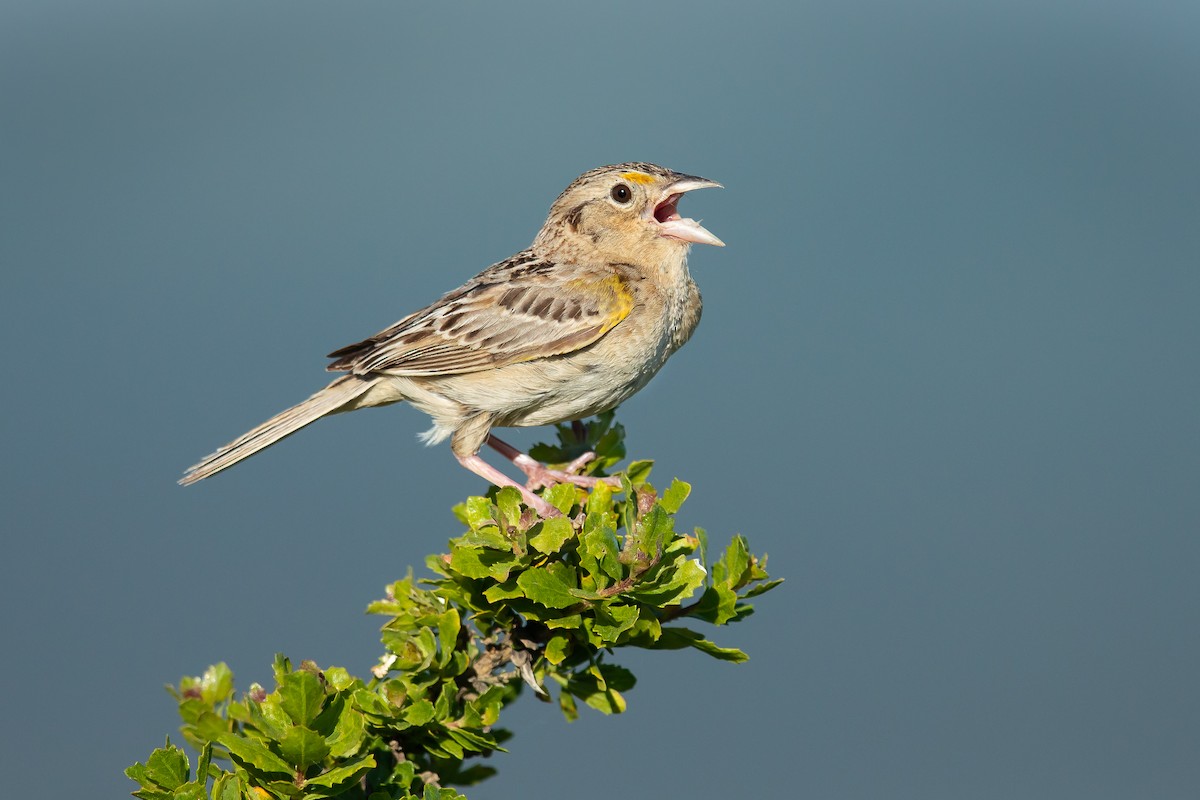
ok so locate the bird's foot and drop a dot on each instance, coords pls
(540, 475)
(498, 478)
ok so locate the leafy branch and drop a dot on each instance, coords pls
(516, 601)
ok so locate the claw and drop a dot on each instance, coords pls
(537, 479)
(538, 475)
(581, 462)
(541, 475)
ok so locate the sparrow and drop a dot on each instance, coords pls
(568, 328)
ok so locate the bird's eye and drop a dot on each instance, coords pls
(621, 193)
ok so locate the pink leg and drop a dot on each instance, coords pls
(498, 478)
(541, 475)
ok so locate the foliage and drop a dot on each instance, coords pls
(517, 601)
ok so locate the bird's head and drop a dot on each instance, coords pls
(625, 212)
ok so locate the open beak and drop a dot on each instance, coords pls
(666, 213)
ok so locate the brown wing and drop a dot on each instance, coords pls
(518, 310)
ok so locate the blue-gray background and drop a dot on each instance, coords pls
(947, 375)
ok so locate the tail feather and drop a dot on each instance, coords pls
(332, 398)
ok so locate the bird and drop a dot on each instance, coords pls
(569, 327)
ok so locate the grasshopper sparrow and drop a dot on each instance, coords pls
(568, 328)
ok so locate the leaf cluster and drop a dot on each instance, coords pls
(517, 600)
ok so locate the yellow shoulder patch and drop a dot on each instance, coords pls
(637, 177)
(611, 295)
(622, 300)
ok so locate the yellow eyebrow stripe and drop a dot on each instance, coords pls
(637, 177)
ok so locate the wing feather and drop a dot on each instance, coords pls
(519, 310)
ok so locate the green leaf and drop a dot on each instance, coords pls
(562, 496)
(268, 716)
(204, 762)
(441, 708)
(403, 774)
(419, 713)
(250, 754)
(395, 691)
(398, 598)
(282, 666)
(736, 561)
(164, 771)
(564, 571)
(490, 702)
(434, 793)
(337, 780)
(479, 512)
(413, 652)
(600, 542)
(227, 786)
(339, 679)
(302, 747)
(216, 685)
(761, 588)
(679, 544)
(638, 472)
(546, 588)
(300, 696)
(503, 591)
(330, 713)
(473, 740)
(276, 788)
(628, 514)
(726, 605)
(674, 638)
(612, 620)
(152, 794)
(616, 677)
(190, 791)
(348, 734)
(591, 688)
(446, 747)
(448, 624)
(674, 496)
(717, 605)
(731, 654)
(600, 500)
(508, 500)
(557, 649)
(138, 774)
(371, 704)
(488, 536)
(428, 643)
(201, 722)
(472, 563)
(554, 533)
(567, 703)
(682, 583)
(653, 530)
(645, 632)
(609, 437)
(168, 767)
